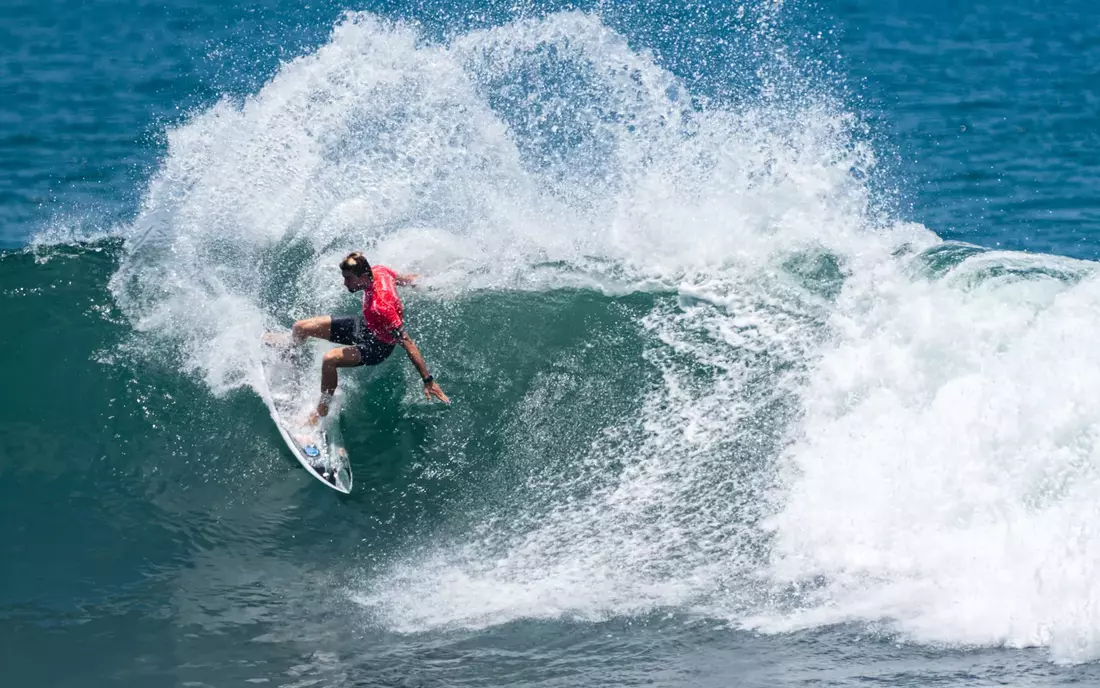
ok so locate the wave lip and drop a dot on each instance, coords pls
(543, 141)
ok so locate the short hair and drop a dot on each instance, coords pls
(355, 263)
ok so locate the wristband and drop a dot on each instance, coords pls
(429, 380)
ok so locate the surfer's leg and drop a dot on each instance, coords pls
(344, 357)
(319, 327)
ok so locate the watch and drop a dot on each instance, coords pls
(429, 380)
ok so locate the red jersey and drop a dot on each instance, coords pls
(382, 309)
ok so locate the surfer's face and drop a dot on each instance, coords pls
(354, 282)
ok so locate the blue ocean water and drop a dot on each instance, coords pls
(769, 328)
(986, 112)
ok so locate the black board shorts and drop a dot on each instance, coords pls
(350, 330)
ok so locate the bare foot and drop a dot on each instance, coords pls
(276, 338)
(316, 414)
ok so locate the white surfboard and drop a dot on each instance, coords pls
(291, 393)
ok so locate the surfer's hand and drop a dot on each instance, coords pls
(431, 389)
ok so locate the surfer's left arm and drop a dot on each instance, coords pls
(403, 280)
(431, 387)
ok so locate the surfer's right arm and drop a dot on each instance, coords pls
(431, 387)
(408, 280)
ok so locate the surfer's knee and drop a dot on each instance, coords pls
(343, 357)
(318, 327)
(331, 359)
(300, 330)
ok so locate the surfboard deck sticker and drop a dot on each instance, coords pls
(290, 392)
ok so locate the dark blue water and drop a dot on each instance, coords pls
(770, 331)
(991, 109)
(985, 113)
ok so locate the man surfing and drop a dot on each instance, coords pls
(369, 338)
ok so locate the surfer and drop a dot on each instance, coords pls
(370, 337)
